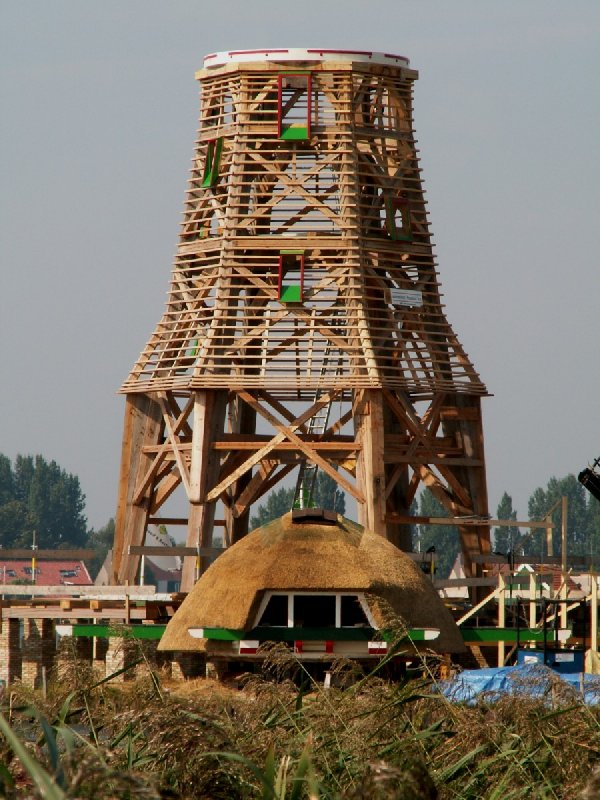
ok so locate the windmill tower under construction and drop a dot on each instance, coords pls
(304, 325)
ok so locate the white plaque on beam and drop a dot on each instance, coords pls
(406, 297)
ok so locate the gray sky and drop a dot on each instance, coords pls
(97, 122)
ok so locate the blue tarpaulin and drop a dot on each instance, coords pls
(530, 680)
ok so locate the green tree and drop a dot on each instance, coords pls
(327, 494)
(579, 517)
(278, 503)
(444, 538)
(40, 496)
(16, 524)
(505, 538)
(7, 481)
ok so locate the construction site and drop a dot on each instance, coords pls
(305, 331)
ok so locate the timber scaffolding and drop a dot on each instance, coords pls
(305, 242)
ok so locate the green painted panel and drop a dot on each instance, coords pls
(291, 294)
(294, 133)
(270, 634)
(211, 167)
(505, 635)
(135, 631)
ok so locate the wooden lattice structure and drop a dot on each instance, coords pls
(304, 278)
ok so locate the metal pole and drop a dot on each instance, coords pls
(33, 548)
(545, 613)
(563, 542)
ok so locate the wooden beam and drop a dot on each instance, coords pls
(370, 465)
(288, 433)
(464, 521)
(174, 441)
(177, 550)
(71, 590)
(262, 454)
(142, 427)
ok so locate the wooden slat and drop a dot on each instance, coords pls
(116, 592)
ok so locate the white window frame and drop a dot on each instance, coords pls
(290, 606)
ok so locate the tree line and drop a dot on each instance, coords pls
(39, 498)
(583, 524)
(42, 503)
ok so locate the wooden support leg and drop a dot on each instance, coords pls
(143, 423)
(209, 418)
(370, 470)
(243, 421)
(467, 428)
(397, 484)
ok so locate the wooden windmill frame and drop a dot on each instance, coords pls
(325, 171)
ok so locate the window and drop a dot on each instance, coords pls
(275, 614)
(312, 610)
(398, 224)
(293, 106)
(68, 573)
(352, 614)
(211, 164)
(27, 570)
(291, 276)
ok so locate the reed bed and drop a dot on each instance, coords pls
(281, 736)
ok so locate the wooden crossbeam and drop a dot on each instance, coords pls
(404, 519)
(264, 451)
(304, 446)
(71, 590)
(161, 452)
(174, 440)
(176, 550)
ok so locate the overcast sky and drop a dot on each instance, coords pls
(98, 113)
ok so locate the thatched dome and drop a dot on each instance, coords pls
(309, 556)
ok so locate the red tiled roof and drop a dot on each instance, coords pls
(47, 573)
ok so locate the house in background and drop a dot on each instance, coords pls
(69, 572)
(548, 580)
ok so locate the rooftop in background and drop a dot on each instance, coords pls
(303, 54)
(47, 573)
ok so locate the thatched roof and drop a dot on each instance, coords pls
(288, 556)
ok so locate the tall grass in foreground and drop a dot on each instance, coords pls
(372, 740)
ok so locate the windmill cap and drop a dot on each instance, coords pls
(303, 54)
